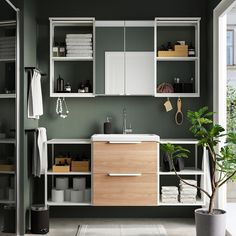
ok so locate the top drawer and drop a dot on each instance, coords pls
(124, 157)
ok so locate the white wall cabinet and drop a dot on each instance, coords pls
(128, 60)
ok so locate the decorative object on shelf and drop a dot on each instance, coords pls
(59, 108)
(68, 88)
(107, 126)
(178, 86)
(168, 105)
(191, 50)
(189, 87)
(81, 87)
(165, 88)
(77, 195)
(87, 87)
(7, 47)
(179, 164)
(79, 183)
(179, 114)
(210, 221)
(62, 49)
(55, 50)
(60, 85)
(166, 162)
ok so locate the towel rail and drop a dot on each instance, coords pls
(35, 68)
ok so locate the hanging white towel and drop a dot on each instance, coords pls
(35, 100)
(40, 154)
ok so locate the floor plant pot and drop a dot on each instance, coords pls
(210, 224)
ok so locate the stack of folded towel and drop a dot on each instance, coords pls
(188, 193)
(79, 45)
(169, 194)
(7, 47)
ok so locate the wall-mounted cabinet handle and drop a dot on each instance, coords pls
(124, 142)
(124, 175)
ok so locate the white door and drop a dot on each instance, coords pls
(114, 73)
(139, 73)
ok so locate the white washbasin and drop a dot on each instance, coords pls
(125, 137)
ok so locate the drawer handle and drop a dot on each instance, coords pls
(124, 175)
(124, 142)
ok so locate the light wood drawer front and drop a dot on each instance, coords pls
(125, 158)
(124, 191)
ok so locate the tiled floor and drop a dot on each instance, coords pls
(174, 227)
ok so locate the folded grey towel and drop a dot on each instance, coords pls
(79, 54)
(79, 44)
(79, 51)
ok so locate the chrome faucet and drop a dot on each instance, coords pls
(125, 129)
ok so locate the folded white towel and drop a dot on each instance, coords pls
(35, 101)
(79, 51)
(169, 196)
(188, 192)
(78, 40)
(79, 36)
(79, 54)
(83, 47)
(169, 187)
(175, 192)
(79, 44)
(171, 201)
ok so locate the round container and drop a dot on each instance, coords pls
(87, 195)
(62, 183)
(67, 195)
(79, 183)
(57, 195)
(77, 195)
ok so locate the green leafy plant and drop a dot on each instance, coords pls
(222, 157)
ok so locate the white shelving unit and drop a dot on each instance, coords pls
(188, 171)
(52, 175)
(178, 22)
(70, 22)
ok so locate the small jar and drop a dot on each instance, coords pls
(62, 50)
(55, 49)
(68, 88)
(81, 88)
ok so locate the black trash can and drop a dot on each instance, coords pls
(9, 219)
(39, 219)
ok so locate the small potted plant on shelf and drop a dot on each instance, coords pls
(222, 159)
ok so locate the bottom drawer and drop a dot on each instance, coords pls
(124, 190)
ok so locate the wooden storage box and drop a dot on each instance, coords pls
(178, 53)
(6, 167)
(80, 166)
(60, 168)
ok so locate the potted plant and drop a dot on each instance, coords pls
(210, 221)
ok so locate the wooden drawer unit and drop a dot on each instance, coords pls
(130, 157)
(116, 190)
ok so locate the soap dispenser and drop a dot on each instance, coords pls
(107, 126)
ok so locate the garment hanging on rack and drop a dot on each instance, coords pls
(39, 164)
(35, 100)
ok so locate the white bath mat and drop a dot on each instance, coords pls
(122, 230)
